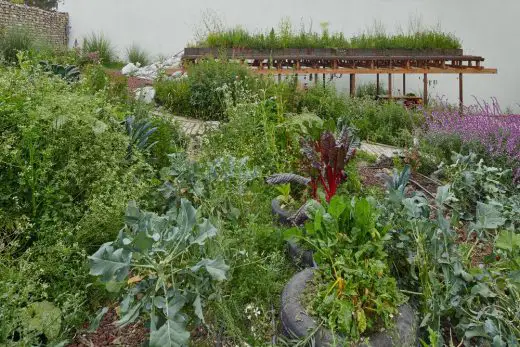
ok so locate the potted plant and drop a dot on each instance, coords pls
(350, 297)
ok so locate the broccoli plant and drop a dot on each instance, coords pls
(162, 262)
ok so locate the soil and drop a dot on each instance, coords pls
(107, 334)
(133, 82)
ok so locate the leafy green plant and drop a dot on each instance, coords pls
(139, 132)
(100, 45)
(69, 73)
(171, 275)
(174, 95)
(355, 293)
(136, 55)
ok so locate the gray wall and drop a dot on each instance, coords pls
(487, 28)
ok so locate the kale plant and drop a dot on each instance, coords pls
(163, 264)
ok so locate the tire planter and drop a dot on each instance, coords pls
(299, 256)
(296, 323)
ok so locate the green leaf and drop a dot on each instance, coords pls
(197, 306)
(216, 268)
(483, 290)
(94, 323)
(186, 216)
(171, 333)
(130, 316)
(110, 263)
(337, 206)
(508, 240)
(133, 214)
(42, 317)
(207, 230)
(174, 306)
(488, 216)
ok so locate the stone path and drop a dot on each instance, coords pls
(194, 128)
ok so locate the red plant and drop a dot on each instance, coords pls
(325, 160)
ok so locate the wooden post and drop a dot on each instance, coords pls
(404, 84)
(324, 78)
(461, 93)
(425, 92)
(352, 85)
(390, 85)
(279, 78)
(316, 79)
(377, 85)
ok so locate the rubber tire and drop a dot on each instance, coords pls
(296, 323)
(299, 256)
(282, 215)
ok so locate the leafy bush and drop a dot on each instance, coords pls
(206, 86)
(13, 40)
(136, 54)
(387, 123)
(65, 182)
(174, 95)
(100, 45)
(325, 102)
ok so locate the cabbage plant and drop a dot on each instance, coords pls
(163, 264)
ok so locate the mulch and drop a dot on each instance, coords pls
(107, 334)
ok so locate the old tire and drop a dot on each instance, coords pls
(296, 323)
(300, 256)
(282, 215)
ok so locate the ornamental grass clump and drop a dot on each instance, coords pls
(485, 127)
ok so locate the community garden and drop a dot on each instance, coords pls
(275, 229)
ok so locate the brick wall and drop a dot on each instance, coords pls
(50, 25)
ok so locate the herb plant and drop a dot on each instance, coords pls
(163, 264)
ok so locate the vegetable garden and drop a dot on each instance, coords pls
(113, 230)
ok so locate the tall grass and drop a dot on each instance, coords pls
(98, 43)
(13, 40)
(417, 37)
(135, 54)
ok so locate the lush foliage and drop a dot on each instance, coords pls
(202, 94)
(13, 40)
(65, 181)
(285, 37)
(355, 292)
(166, 283)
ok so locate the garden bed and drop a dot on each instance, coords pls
(329, 53)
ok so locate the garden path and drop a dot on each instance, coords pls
(194, 128)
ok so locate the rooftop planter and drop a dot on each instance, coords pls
(287, 53)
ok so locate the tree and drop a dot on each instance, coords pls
(43, 4)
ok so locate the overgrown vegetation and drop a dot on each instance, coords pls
(137, 55)
(96, 44)
(197, 256)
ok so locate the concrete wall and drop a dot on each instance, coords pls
(486, 27)
(50, 25)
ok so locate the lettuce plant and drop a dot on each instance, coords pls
(162, 262)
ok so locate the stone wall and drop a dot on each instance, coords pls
(49, 25)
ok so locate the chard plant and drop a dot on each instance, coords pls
(355, 292)
(324, 160)
(163, 265)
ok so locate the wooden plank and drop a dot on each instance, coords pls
(352, 85)
(404, 84)
(425, 95)
(363, 71)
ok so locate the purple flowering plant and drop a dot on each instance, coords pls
(484, 124)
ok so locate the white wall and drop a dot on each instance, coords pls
(488, 28)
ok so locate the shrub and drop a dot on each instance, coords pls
(174, 95)
(136, 54)
(385, 122)
(98, 43)
(13, 40)
(325, 102)
(65, 183)
(208, 81)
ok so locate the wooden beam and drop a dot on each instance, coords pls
(425, 92)
(404, 84)
(364, 71)
(390, 85)
(352, 85)
(461, 93)
(377, 85)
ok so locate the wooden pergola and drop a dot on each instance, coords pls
(352, 62)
